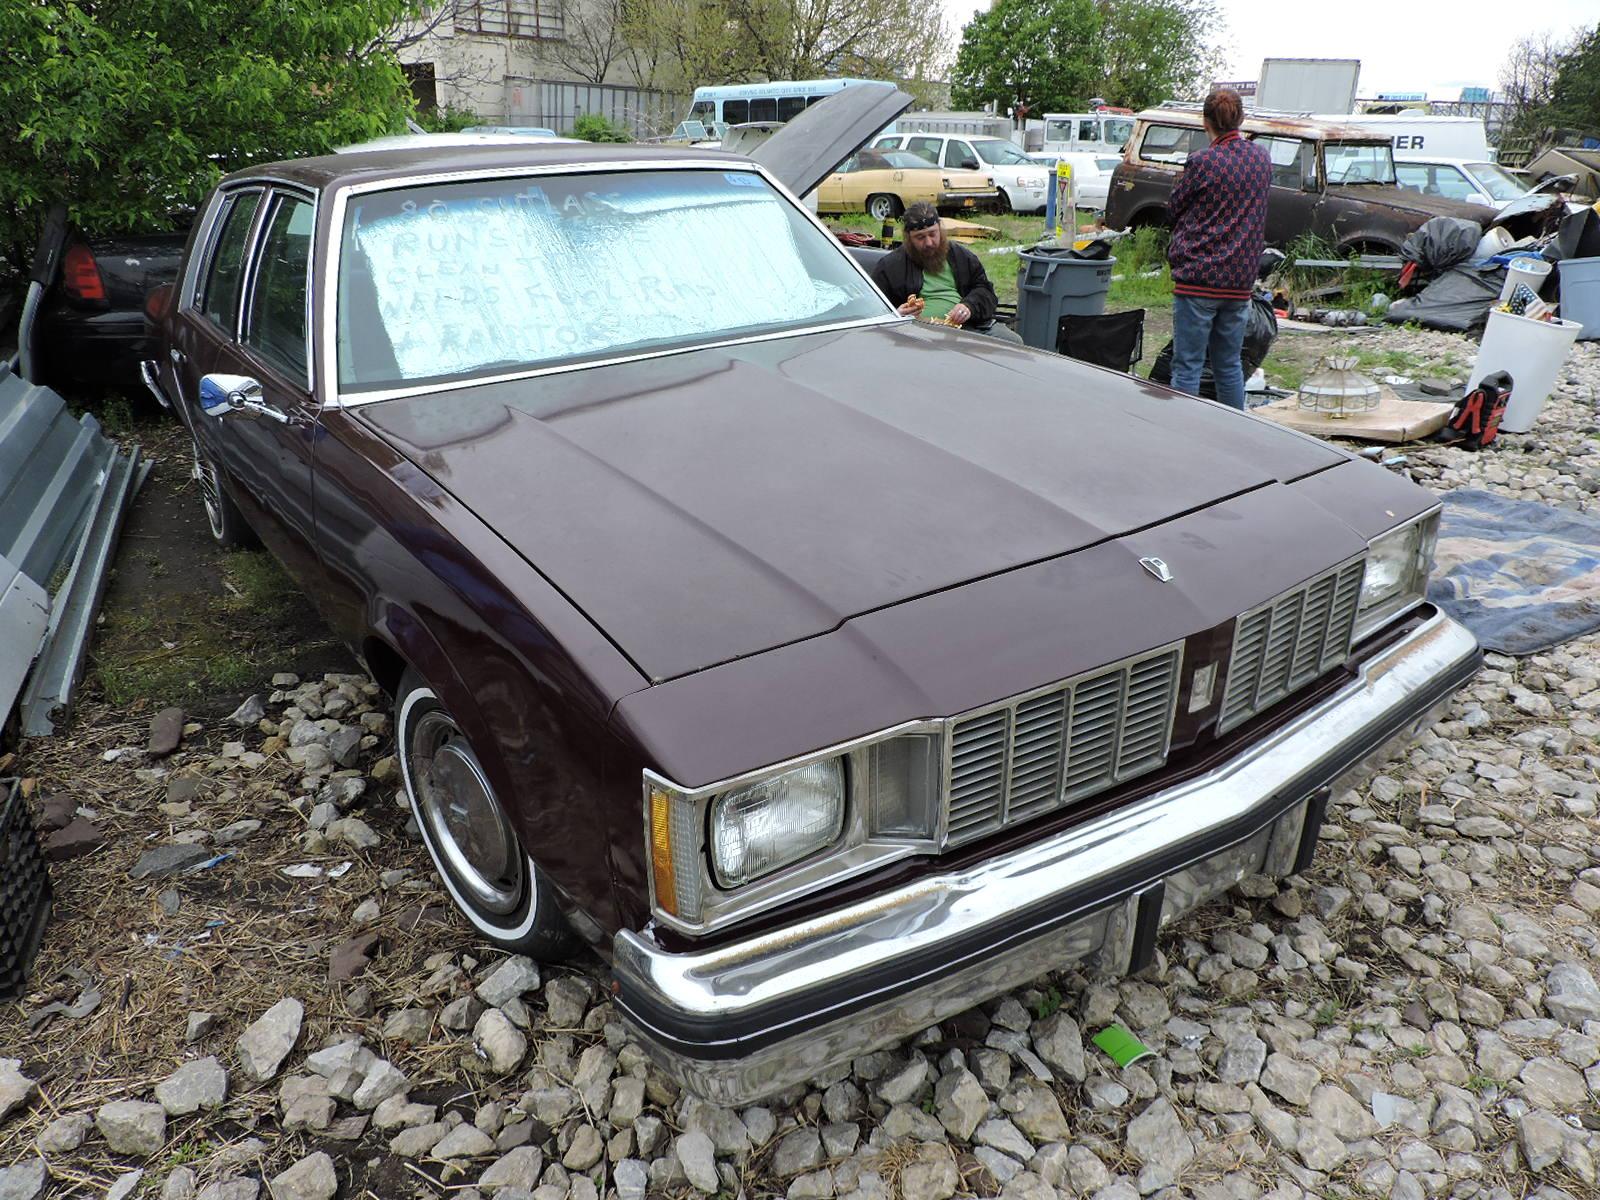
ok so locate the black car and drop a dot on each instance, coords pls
(91, 331)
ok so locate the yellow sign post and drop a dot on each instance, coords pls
(1066, 201)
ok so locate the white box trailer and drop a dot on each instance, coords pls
(1419, 135)
(972, 124)
(1308, 85)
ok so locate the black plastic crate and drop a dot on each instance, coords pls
(24, 891)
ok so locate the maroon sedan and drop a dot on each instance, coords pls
(827, 671)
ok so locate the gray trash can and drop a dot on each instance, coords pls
(1051, 285)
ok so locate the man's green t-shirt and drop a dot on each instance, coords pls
(939, 293)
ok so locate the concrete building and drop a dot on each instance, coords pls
(510, 62)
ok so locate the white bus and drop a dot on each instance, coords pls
(737, 103)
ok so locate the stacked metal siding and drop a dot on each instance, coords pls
(63, 491)
(1036, 753)
(1289, 641)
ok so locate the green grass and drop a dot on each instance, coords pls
(1048, 1004)
(198, 643)
(1286, 373)
(1360, 284)
(1145, 250)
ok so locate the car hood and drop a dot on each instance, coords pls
(710, 505)
(806, 150)
(1406, 200)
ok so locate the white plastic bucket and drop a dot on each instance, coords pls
(1531, 352)
(1496, 241)
(1531, 271)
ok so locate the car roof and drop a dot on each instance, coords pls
(332, 171)
(1444, 160)
(1284, 123)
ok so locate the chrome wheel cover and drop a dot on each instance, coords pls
(464, 820)
(205, 475)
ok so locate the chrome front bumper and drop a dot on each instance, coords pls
(741, 1021)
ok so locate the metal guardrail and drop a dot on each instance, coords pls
(64, 488)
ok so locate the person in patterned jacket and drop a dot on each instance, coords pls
(1219, 224)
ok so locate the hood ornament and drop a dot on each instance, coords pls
(1158, 568)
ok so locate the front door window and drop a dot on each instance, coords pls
(276, 327)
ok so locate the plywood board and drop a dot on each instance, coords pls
(1394, 420)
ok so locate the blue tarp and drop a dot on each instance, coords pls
(1522, 576)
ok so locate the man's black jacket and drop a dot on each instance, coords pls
(898, 277)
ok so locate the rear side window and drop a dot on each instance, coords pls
(926, 147)
(736, 112)
(790, 107)
(764, 108)
(1170, 143)
(887, 143)
(277, 326)
(224, 274)
(1089, 131)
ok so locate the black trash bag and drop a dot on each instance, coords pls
(1441, 243)
(1458, 300)
(1260, 331)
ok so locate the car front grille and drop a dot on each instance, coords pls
(1289, 641)
(1013, 761)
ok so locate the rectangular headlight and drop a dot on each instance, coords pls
(1396, 575)
(759, 828)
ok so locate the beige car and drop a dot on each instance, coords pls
(883, 182)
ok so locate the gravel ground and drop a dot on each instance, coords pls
(1416, 1016)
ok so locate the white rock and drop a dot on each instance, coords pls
(382, 1080)
(518, 1169)
(1157, 1140)
(464, 1141)
(498, 1042)
(267, 1042)
(132, 1127)
(193, 1086)
(312, 1178)
(698, 1159)
(514, 977)
(64, 1134)
(24, 1180)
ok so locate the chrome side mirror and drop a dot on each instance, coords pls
(224, 394)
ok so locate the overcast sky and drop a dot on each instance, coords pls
(1403, 45)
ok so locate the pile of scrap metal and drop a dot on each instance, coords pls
(64, 488)
(1455, 268)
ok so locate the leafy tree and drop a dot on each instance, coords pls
(876, 39)
(1056, 54)
(128, 109)
(1046, 54)
(1155, 50)
(1575, 91)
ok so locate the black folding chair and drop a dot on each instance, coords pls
(1111, 340)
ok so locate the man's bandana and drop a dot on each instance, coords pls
(915, 223)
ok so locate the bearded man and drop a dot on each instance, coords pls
(931, 277)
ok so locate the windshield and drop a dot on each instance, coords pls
(1499, 183)
(451, 280)
(1000, 154)
(1358, 162)
(1115, 131)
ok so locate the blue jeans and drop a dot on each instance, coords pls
(1217, 326)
